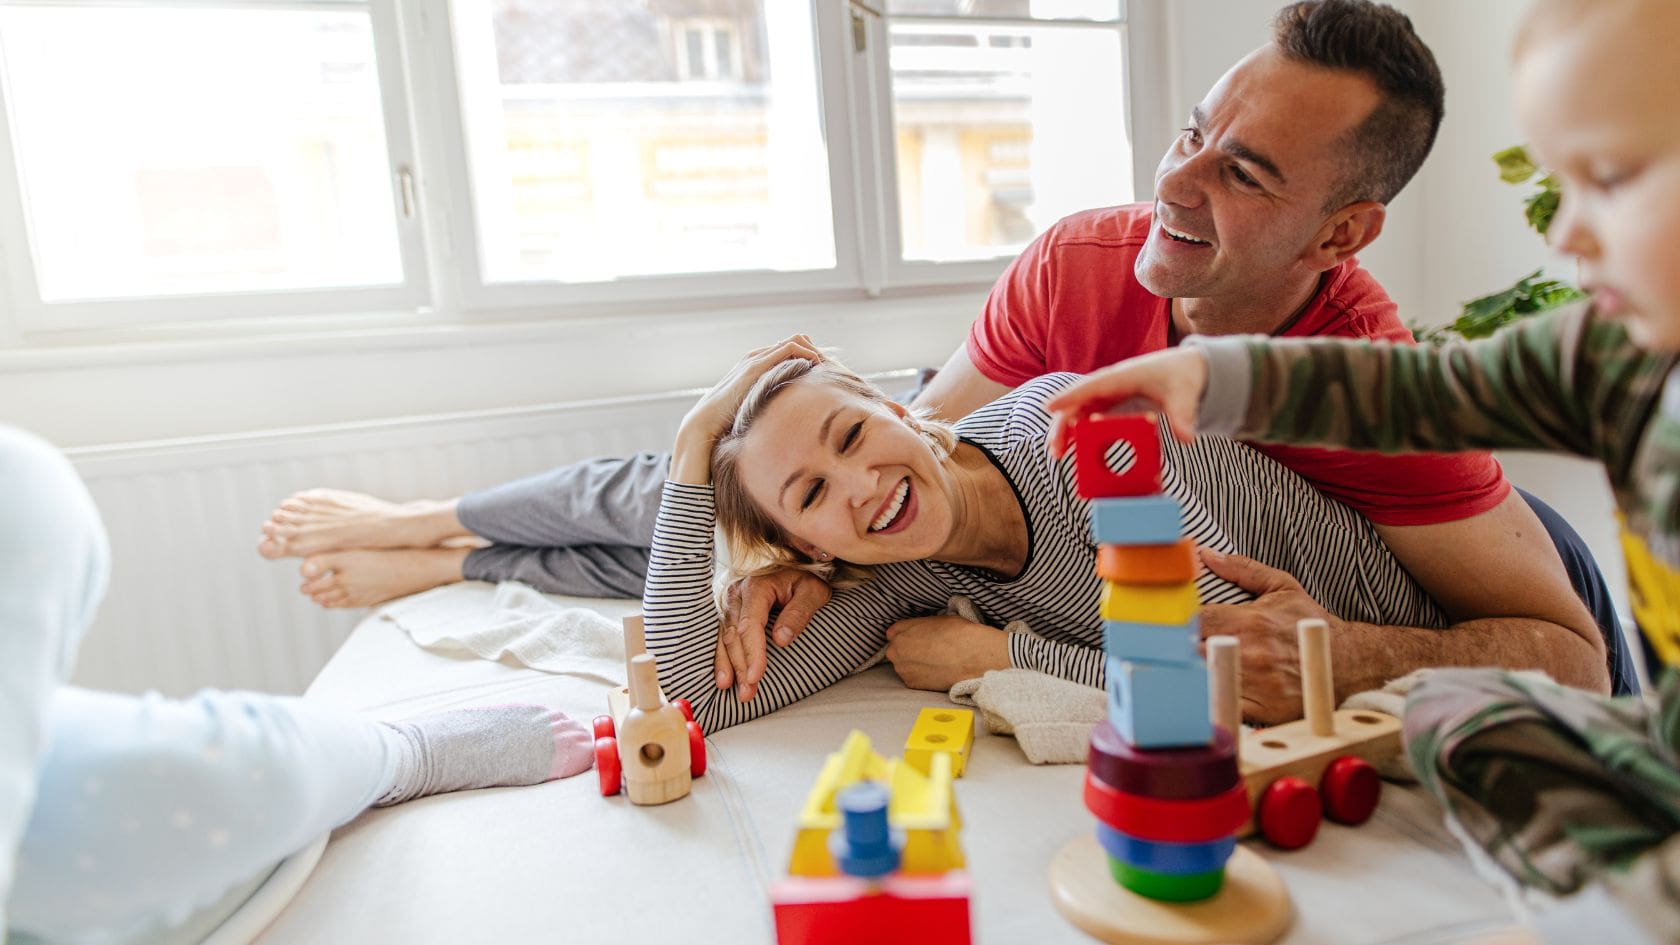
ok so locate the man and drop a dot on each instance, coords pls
(1279, 178)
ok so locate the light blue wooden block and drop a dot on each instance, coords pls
(1159, 705)
(1143, 520)
(1153, 642)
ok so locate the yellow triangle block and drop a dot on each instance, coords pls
(924, 806)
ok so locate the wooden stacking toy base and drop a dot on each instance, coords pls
(1251, 909)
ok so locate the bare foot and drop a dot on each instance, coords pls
(318, 520)
(365, 577)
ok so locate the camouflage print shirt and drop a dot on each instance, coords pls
(1565, 381)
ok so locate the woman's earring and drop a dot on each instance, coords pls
(824, 556)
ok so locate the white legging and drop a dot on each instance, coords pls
(122, 815)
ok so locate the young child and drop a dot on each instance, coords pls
(1571, 794)
(129, 819)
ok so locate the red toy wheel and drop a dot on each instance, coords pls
(1351, 790)
(604, 727)
(1288, 813)
(607, 766)
(687, 710)
(696, 750)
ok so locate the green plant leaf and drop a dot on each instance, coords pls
(1530, 295)
(1515, 166)
(1542, 205)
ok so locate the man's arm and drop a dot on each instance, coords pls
(959, 388)
(1497, 573)
(1500, 574)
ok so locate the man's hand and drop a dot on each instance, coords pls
(1271, 664)
(936, 653)
(741, 654)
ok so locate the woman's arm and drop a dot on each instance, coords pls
(681, 621)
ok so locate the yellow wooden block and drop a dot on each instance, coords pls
(1166, 604)
(923, 806)
(940, 730)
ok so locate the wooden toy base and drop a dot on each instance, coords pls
(1253, 908)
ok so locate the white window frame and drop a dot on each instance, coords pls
(711, 28)
(36, 317)
(443, 284)
(894, 269)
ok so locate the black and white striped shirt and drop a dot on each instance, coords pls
(1234, 500)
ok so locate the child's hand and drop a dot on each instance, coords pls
(1169, 381)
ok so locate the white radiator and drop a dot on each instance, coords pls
(191, 603)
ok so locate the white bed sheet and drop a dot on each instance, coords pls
(559, 863)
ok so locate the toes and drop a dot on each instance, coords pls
(271, 548)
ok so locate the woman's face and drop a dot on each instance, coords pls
(846, 476)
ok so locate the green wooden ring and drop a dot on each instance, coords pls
(1165, 887)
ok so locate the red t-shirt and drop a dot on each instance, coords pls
(1071, 302)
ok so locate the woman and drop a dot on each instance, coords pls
(806, 465)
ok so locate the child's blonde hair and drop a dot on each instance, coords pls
(754, 544)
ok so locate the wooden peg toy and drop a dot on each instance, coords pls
(647, 747)
(1319, 766)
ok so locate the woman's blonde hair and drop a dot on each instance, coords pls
(754, 544)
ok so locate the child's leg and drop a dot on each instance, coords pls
(53, 564)
(152, 808)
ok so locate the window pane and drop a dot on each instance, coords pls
(1034, 9)
(610, 139)
(184, 151)
(1003, 130)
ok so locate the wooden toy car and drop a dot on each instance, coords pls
(648, 747)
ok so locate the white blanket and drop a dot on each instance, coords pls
(513, 621)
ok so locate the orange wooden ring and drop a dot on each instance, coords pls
(1193, 820)
(1148, 564)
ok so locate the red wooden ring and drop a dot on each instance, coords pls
(1165, 772)
(685, 707)
(1351, 789)
(1196, 820)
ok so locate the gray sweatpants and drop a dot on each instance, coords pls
(582, 529)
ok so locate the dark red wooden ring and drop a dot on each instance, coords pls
(1163, 772)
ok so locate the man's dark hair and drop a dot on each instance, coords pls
(1376, 41)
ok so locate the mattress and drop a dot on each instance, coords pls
(560, 863)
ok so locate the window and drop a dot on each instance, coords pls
(164, 162)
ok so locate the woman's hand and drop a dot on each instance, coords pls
(691, 459)
(1169, 381)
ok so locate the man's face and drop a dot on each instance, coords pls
(1239, 197)
(1596, 86)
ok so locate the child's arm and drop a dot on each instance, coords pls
(1639, 907)
(1564, 381)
